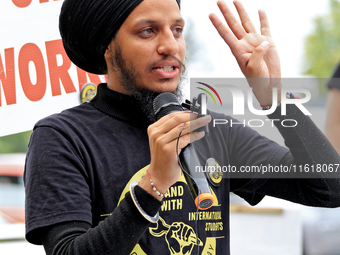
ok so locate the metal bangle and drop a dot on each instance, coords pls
(152, 219)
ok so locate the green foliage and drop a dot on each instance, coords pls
(322, 46)
(15, 143)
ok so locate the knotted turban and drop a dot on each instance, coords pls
(88, 26)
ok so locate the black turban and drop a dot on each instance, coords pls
(88, 26)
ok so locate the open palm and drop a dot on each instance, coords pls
(255, 53)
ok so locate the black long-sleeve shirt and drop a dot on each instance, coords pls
(75, 166)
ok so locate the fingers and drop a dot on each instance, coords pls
(237, 30)
(174, 120)
(167, 117)
(187, 135)
(189, 138)
(223, 31)
(232, 22)
(265, 30)
(256, 58)
(246, 21)
(163, 137)
(168, 128)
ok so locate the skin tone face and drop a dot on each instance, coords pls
(152, 46)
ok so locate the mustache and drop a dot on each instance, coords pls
(168, 58)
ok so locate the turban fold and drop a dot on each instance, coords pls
(88, 26)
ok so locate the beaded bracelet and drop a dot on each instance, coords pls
(269, 106)
(154, 188)
(288, 95)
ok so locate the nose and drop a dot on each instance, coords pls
(168, 44)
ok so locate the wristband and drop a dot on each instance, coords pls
(152, 219)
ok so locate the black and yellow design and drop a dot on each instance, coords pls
(213, 172)
(179, 236)
(88, 91)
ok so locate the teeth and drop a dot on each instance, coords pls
(166, 68)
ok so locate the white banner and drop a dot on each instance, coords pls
(36, 76)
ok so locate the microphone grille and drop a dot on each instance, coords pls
(166, 103)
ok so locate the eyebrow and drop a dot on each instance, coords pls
(149, 21)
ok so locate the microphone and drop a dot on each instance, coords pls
(164, 104)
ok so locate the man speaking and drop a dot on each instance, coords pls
(104, 178)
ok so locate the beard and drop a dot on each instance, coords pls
(127, 76)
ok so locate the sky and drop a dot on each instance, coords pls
(290, 21)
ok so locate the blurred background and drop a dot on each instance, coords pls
(307, 35)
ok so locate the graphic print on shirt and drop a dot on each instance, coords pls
(179, 237)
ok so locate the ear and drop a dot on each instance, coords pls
(108, 55)
(109, 51)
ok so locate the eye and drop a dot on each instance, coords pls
(178, 31)
(147, 31)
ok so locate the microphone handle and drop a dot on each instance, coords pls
(196, 180)
(164, 104)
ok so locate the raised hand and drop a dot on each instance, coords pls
(255, 53)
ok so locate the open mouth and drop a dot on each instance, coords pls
(167, 69)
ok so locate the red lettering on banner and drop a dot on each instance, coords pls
(54, 48)
(59, 74)
(31, 52)
(22, 3)
(7, 77)
(26, 3)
